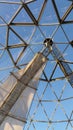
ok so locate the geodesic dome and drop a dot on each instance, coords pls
(24, 26)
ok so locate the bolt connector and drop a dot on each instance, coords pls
(48, 42)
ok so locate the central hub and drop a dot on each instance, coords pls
(48, 42)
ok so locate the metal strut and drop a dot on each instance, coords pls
(55, 52)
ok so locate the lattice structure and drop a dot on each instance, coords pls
(24, 25)
(57, 55)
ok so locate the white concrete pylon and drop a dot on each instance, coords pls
(17, 93)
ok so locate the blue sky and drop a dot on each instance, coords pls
(48, 93)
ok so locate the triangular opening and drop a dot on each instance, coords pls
(40, 110)
(62, 6)
(49, 68)
(22, 17)
(35, 7)
(59, 36)
(37, 37)
(16, 52)
(49, 15)
(59, 114)
(57, 73)
(14, 38)
(51, 59)
(8, 10)
(36, 42)
(48, 30)
(23, 31)
(49, 107)
(48, 94)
